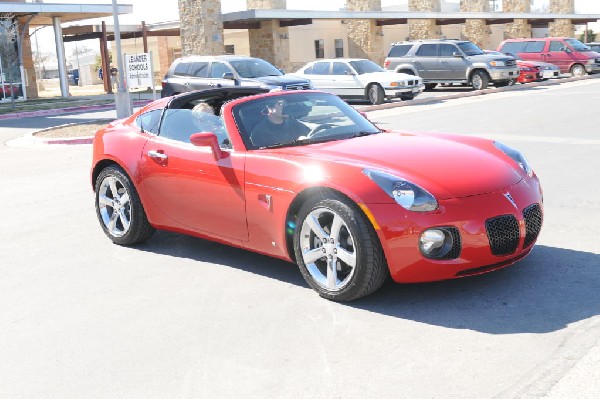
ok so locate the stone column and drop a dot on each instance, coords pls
(476, 30)
(271, 42)
(423, 28)
(520, 28)
(28, 65)
(201, 27)
(562, 27)
(365, 38)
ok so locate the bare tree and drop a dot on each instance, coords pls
(9, 57)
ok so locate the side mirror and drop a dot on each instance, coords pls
(207, 139)
(228, 75)
(457, 54)
(568, 50)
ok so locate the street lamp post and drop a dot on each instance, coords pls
(122, 100)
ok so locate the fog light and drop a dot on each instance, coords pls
(435, 243)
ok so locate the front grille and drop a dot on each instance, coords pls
(511, 63)
(298, 86)
(503, 233)
(456, 244)
(411, 82)
(533, 223)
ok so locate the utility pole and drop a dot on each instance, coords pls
(122, 100)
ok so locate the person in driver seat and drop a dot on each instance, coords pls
(276, 127)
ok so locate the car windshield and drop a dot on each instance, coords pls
(515, 56)
(254, 68)
(365, 66)
(292, 119)
(577, 45)
(470, 49)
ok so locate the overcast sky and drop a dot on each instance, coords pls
(168, 11)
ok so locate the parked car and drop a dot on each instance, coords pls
(531, 71)
(7, 89)
(594, 46)
(203, 72)
(359, 78)
(451, 61)
(304, 177)
(569, 54)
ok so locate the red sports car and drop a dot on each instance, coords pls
(302, 176)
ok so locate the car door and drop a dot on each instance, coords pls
(198, 76)
(534, 50)
(427, 62)
(557, 54)
(318, 74)
(344, 80)
(451, 66)
(189, 188)
(215, 77)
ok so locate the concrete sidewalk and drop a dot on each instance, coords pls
(94, 102)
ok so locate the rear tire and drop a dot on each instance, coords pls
(430, 86)
(375, 94)
(119, 209)
(337, 249)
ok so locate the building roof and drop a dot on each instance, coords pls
(251, 18)
(44, 12)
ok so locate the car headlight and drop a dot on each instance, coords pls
(270, 87)
(526, 69)
(515, 156)
(398, 84)
(497, 63)
(406, 194)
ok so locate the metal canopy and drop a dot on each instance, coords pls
(44, 12)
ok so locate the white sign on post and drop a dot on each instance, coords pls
(138, 69)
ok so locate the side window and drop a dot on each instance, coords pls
(309, 70)
(199, 69)
(218, 69)
(320, 68)
(178, 124)
(513, 47)
(181, 69)
(447, 50)
(399, 50)
(534, 47)
(340, 68)
(148, 121)
(556, 45)
(427, 50)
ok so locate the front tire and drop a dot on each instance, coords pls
(337, 249)
(119, 209)
(480, 80)
(375, 94)
(578, 70)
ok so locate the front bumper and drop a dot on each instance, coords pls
(399, 233)
(403, 90)
(503, 73)
(593, 68)
(550, 73)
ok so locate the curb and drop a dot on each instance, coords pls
(368, 108)
(516, 87)
(67, 110)
(32, 137)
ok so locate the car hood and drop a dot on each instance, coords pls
(447, 166)
(535, 64)
(278, 80)
(489, 57)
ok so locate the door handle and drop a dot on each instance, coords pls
(158, 156)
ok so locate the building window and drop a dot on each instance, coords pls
(229, 49)
(319, 48)
(339, 48)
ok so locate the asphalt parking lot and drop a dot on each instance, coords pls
(184, 317)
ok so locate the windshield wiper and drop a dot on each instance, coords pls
(361, 134)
